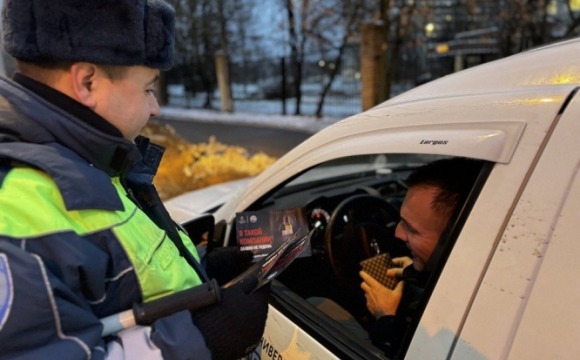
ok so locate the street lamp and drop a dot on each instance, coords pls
(429, 28)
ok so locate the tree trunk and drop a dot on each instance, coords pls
(326, 88)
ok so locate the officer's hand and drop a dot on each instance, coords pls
(233, 327)
(225, 263)
(381, 301)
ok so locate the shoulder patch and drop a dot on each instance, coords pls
(6, 290)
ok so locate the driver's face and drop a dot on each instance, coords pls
(420, 226)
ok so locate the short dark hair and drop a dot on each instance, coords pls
(454, 177)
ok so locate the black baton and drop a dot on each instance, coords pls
(146, 313)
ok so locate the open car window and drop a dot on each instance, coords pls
(354, 203)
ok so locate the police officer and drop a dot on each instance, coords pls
(83, 234)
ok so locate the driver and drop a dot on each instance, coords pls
(434, 192)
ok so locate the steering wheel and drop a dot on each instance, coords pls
(360, 227)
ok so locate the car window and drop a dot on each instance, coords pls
(351, 165)
(354, 203)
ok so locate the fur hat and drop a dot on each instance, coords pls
(115, 32)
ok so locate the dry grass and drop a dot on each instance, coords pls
(187, 166)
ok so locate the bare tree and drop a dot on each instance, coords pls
(239, 30)
(323, 28)
(342, 18)
(297, 42)
(195, 44)
(529, 23)
(203, 28)
(523, 24)
(402, 21)
(574, 15)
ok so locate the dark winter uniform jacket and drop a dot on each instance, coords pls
(74, 245)
(389, 331)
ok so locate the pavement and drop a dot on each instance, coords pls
(308, 124)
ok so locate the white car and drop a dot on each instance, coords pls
(503, 286)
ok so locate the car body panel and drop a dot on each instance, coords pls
(554, 289)
(284, 340)
(185, 207)
(530, 273)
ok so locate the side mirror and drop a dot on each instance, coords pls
(200, 229)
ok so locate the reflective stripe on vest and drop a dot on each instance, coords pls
(31, 206)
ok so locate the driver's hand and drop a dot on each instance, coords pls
(400, 263)
(381, 301)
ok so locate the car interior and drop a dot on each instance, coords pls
(351, 209)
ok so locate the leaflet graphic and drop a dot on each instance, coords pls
(263, 231)
(270, 266)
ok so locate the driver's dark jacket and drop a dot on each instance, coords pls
(388, 332)
(64, 265)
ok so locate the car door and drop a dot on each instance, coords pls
(526, 304)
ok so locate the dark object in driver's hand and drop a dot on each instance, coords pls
(377, 267)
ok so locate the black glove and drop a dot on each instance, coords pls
(233, 328)
(225, 263)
